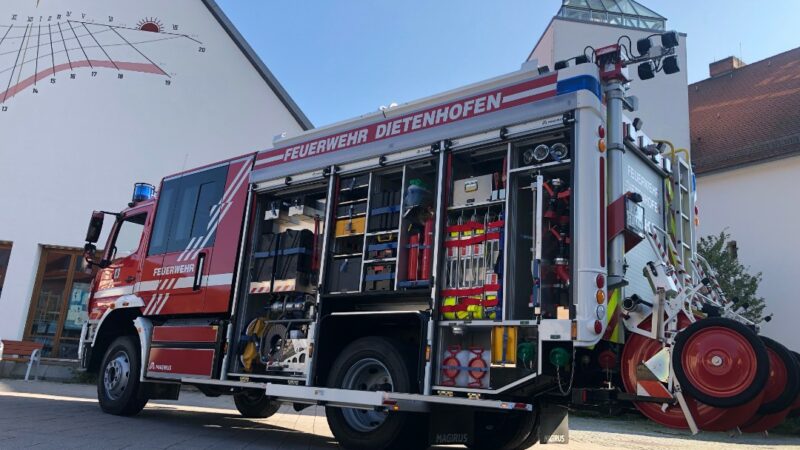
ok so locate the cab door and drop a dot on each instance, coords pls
(124, 255)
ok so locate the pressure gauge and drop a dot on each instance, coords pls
(527, 157)
(559, 151)
(541, 152)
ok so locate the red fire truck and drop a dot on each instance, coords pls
(458, 269)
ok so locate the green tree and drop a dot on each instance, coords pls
(738, 285)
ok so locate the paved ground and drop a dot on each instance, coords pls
(44, 415)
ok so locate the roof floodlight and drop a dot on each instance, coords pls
(669, 39)
(646, 70)
(643, 46)
(670, 65)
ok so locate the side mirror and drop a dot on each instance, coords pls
(95, 227)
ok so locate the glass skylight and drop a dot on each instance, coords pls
(624, 13)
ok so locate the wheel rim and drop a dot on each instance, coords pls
(638, 349)
(366, 375)
(116, 375)
(719, 362)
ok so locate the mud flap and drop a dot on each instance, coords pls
(451, 426)
(553, 424)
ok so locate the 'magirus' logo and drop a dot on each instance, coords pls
(159, 367)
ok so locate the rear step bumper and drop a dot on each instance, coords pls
(390, 401)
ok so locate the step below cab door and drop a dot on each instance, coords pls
(194, 210)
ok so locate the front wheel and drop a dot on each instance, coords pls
(119, 390)
(255, 404)
(374, 364)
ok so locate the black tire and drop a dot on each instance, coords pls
(797, 360)
(254, 404)
(790, 391)
(502, 430)
(356, 429)
(533, 436)
(119, 390)
(761, 370)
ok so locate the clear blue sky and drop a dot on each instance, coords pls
(344, 58)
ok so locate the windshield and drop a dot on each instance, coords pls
(129, 236)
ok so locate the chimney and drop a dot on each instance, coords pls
(724, 66)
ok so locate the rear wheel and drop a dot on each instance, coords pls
(255, 404)
(533, 436)
(504, 431)
(374, 364)
(119, 390)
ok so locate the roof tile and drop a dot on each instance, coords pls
(749, 115)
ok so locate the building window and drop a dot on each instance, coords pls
(59, 304)
(5, 253)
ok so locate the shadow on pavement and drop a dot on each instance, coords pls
(71, 422)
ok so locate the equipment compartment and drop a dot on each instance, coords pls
(465, 361)
(541, 219)
(285, 259)
(472, 286)
(415, 247)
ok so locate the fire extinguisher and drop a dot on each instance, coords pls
(413, 257)
(427, 250)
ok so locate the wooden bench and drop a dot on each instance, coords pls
(22, 351)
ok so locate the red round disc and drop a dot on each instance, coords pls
(480, 364)
(778, 377)
(719, 362)
(639, 349)
(451, 365)
(735, 417)
(758, 423)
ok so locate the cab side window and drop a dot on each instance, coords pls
(187, 210)
(129, 236)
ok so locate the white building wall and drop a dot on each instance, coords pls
(80, 144)
(756, 207)
(664, 100)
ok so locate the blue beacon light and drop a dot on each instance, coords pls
(143, 191)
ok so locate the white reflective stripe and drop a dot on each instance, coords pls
(225, 206)
(237, 181)
(270, 159)
(220, 279)
(216, 215)
(529, 93)
(161, 306)
(150, 305)
(189, 246)
(144, 286)
(193, 254)
(114, 292)
(182, 283)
